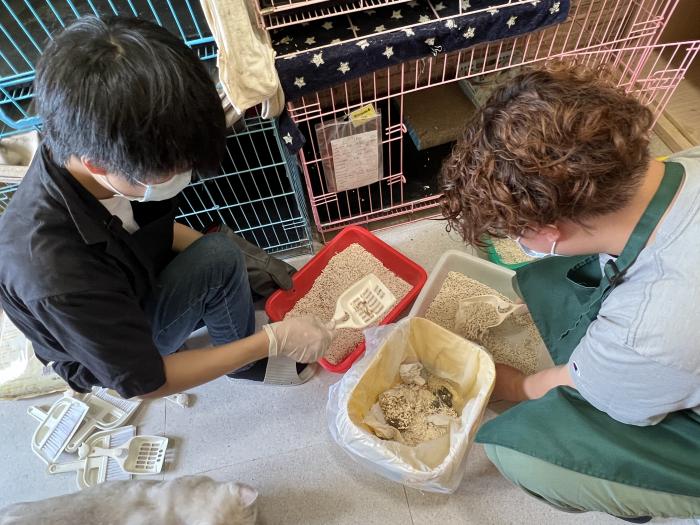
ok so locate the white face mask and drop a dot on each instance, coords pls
(158, 192)
(533, 253)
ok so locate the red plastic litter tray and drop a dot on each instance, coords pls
(282, 301)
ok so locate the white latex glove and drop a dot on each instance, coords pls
(304, 339)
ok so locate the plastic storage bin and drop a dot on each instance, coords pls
(282, 301)
(499, 278)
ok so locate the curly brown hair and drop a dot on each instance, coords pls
(554, 143)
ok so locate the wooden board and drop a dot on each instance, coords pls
(437, 115)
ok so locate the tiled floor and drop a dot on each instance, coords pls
(276, 440)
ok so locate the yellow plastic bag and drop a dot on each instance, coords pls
(434, 466)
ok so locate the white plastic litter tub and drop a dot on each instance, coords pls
(500, 279)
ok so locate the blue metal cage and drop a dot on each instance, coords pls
(6, 192)
(257, 192)
(26, 25)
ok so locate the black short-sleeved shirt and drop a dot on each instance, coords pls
(74, 281)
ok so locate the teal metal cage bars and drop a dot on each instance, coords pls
(26, 26)
(257, 192)
(6, 192)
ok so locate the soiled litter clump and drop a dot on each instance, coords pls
(509, 251)
(419, 410)
(443, 311)
(343, 270)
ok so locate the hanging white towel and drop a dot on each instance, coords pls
(246, 59)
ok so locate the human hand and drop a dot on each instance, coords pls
(305, 339)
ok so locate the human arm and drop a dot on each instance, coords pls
(191, 368)
(107, 341)
(183, 236)
(513, 385)
(625, 382)
(303, 339)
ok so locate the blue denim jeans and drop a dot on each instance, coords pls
(207, 284)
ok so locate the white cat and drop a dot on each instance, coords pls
(191, 500)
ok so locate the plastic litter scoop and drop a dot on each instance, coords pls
(107, 411)
(501, 309)
(93, 470)
(365, 302)
(57, 428)
(140, 455)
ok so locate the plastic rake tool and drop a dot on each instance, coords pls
(140, 455)
(364, 303)
(57, 428)
(92, 470)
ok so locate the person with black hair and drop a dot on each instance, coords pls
(94, 270)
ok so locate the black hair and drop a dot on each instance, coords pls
(130, 97)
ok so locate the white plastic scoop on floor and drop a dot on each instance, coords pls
(364, 303)
(92, 470)
(503, 309)
(140, 455)
(106, 410)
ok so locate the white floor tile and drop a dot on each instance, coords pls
(234, 421)
(23, 475)
(657, 147)
(424, 241)
(319, 485)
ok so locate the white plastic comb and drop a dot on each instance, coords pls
(364, 303)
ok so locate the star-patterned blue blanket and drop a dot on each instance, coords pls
(357, 52)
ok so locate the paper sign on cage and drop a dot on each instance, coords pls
(351, 151)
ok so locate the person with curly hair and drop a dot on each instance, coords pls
(558, 160)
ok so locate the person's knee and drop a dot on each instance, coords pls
(523, 471)
(221, 257)
(493, 452)
(569, 490)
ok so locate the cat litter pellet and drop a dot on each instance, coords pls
(509, 251)
(458, 287)
(343, 270)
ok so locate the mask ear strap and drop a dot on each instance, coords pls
(554, 247)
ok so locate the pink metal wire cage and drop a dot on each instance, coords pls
(272, 14)
(621, 34)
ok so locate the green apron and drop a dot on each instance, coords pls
(564, 295)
